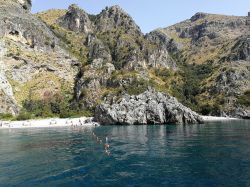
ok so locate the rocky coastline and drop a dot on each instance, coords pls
(150, 107)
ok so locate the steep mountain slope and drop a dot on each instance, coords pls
(33, 65)
(204, 36)
(115, 54)
(220, 45)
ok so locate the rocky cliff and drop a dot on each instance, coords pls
(215, 48)
(150, 107)
(66, 62)
(111, 45)
(33, 64)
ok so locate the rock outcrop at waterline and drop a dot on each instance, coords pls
(150, 107)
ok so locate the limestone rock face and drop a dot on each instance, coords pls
(31, 61)
(97, 50)
(165, 46)
(8, 103)
(21, 26)
(116, 18)
(241, 49)
(150, 107)
(26, 4)
(76, 20)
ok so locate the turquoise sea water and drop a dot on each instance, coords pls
(213, 154)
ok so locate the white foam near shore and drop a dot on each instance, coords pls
(46, 123)
(215, 118)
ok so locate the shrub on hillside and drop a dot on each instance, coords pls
(6, 116)
(245, 99)
(23, 115)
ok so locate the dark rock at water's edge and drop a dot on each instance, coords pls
(239, 113)
(150, 107)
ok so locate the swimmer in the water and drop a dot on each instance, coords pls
(107, 152)
(106, 146)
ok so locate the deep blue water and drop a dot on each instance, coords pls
(213, 154)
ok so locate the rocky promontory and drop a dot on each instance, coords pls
(150, 107)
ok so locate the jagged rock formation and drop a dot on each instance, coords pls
(112, 43)
(150, 107)
(115, 18)
(76, 20)
(116, 32)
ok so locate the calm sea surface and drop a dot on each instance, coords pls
(213, 154)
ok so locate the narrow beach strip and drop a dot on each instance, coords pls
(47, 123)
(216, 118)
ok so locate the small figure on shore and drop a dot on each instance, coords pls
(53, 122)
(80, 122)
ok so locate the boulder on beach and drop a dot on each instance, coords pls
(150, 107)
